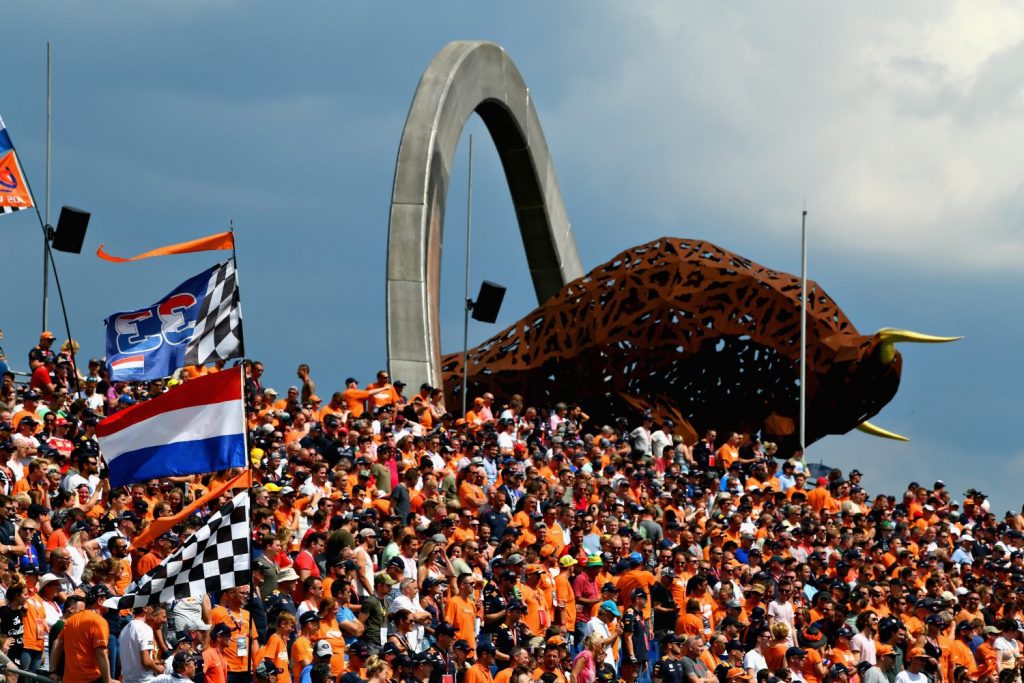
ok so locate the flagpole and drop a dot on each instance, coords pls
(56, 277)
(46, 231)
(803, 331)
(248, 459)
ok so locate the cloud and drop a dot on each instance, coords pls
(901, 126)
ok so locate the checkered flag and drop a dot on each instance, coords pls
(214, 559)
(218, 331)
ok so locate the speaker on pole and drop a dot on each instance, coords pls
(71, 226)
(488, 302)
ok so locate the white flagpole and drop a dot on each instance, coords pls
(803, 332)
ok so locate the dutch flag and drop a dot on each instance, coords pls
(195, 428)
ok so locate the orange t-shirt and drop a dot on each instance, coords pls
(461, 613)
(276, 650)
(355, 400)
(566, 600)
(302, 653)
(35, 623)
(690, 625)
(215, 667)
(635, 578)
(478, 674)
(384, 398)
(471, 497)
(240, 628)
(331, 632)
(83, 633)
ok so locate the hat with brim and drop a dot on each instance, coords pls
(287, 574)
(812, 637)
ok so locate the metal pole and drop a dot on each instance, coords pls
(46, 229)
(803, 331)
(468, 304)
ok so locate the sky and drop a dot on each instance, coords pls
(900, 129)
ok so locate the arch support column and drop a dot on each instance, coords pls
(463, 78)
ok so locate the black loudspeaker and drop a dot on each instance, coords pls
(71, 227)
(488, 302)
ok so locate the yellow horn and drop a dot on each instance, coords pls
(891, 334)
(873, 430)
(889, 337)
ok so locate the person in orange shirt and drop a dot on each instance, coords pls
(480, 672)
(232, 613)
(565, 597)
(537, 618)
(336, 407)
(633, 578)
(729, 452)
(355, 398)
(302, 648)
(160, 549)
(550, 663)
(460, 611)
(987, 655)
(389, 396)
(819, 497)
(471, 492)
(84, 640)
(276, 648)
(215, 665)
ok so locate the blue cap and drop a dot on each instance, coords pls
(611, 607)
(636, 557)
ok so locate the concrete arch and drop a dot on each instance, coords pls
(465, 77)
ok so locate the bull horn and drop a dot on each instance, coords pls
(890, 336)
(875, 430)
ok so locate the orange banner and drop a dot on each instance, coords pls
(14, 194)
(220, 241)
(161, 526)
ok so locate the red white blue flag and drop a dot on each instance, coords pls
(195, 428)
(14, 192)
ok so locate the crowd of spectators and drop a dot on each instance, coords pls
(394, 540)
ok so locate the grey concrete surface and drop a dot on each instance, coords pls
(463, 78)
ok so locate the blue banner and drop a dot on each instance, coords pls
(150, 343)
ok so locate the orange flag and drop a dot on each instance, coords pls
(220, 241)
(161, 526)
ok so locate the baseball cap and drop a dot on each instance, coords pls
(322, 648)
(219, 630)
(796, 652)
(309, 617)
(266, 668)
(611, 607)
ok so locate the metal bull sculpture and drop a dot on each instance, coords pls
(698, 334)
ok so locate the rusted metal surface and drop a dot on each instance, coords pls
(692, 332)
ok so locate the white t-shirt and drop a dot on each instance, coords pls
(600, 629)
(755, 660)
(136, 637)
(908, 676)
(414, 637)
(865, 647)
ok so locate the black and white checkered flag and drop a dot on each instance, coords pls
(218, 331)
(215, 558)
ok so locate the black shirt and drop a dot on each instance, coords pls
(444, 665)
(12, 627)
(636, 627)
(662, 597)
(668, 670)
(506, 639)
(494, 602)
